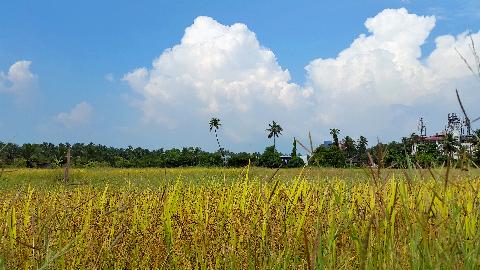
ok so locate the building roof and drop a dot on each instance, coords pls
(434, 138)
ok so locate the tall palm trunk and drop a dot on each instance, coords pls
(218, 142)
(273, 142)
(219, 147)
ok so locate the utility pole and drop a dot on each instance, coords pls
(66, 173)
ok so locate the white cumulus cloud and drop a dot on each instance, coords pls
(215, 69)
(19, 79)
(79, 115)
(378, 86)
(381, 83)
(383, 67)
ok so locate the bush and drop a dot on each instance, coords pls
(476, 157)
(295, 162)
(240, 159)
(19, 163)
(425, 160)
(210, 159)
(328, 157)
(97, 164)
(270, 158)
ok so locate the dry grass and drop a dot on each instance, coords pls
(293, 221)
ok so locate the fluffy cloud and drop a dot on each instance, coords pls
(445, 62)
(79, 115)
(382, 79)
(382, 67)
(19, 79)
(216, 69)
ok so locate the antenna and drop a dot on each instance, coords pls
(422, 128)
(454, 123)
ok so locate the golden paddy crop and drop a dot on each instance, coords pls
(240, 219)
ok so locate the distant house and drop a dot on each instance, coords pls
(286, 159)
(469, 142)
(437, 139)
(460, 131)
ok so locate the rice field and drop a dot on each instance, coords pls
(250, 218)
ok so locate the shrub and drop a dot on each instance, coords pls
(97, 164)
(20, 163)
(328, 157)
(239, 160)
(295, 162)
(270, 158)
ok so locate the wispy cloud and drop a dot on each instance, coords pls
(109, 77)
(462, 10)
(79, 115)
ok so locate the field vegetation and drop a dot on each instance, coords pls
(245, 218)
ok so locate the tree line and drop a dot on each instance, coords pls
(346, 152)
(351, 153)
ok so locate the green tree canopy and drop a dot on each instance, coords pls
(362, 145)
(270, 158)
(350, 149)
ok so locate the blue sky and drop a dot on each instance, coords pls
(79, 55)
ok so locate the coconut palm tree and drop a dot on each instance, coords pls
(274, 130)
(334, 132)
(215, 125)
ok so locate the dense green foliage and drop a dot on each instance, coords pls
(295, 162)
(92, 155)
(270, 158)
(328, 157)
(48, 155)
(349, 153)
